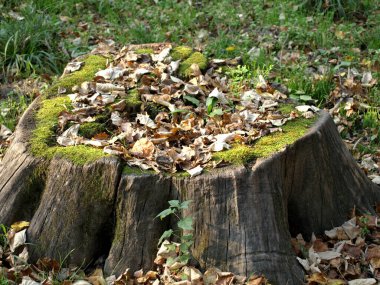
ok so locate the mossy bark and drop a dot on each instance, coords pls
(243, 215)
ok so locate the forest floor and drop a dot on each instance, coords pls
(327, 56)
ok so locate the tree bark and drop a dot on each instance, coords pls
(243, 215)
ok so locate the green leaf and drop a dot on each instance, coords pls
(306, 98)
(345, 63)
(215, 112)
(184, 258)
(183, 248)
(184, 277)
(186, 223)
(185, 204)
(171, 247)
(170, 261)
(174, 203)
(180, 111)
(294, 97)
(186, 238)
(210, 103)
(192, 99)
(165, 213)
(165, 235)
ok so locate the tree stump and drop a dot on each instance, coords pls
(243, 215)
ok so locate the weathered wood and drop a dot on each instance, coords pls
(243, 215)
(140, 199)
(75, 215)
(20, 187)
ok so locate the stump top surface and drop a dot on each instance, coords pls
(131, 104)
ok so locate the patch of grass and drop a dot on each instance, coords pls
(27, 46)
(371, 119)
(11, 108)
(340, 9)
(267, 145)
(286, 109)
(300, 83)
(3, 280)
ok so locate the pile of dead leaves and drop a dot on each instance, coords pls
(15, 269)
(181, 118)
(349, 254)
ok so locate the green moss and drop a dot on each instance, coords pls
(103, 117)
(181, 174)
(79, 154)
(92, 64)
(133, 100)
(43, 142)
(267, 145)
(144, 51)
(181, 52)
(197, 58)
(238, 154)
(88, 130)
(292, 131)
(153, 109)
(128, 170)
(47, 121)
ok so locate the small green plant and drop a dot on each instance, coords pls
(371, 118)
(364, 231)
(184, 224)
(247, 75)
(3, 280)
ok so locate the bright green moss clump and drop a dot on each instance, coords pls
(133, 100)
(181, 52)
(88, 130)
(79, 154)
(43, 140)
(47, 121)
(92, 64)
(267, 145)
(197, 58)
(144, 51)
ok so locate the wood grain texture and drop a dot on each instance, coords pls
(243, 215)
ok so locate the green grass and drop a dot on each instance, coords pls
(11, 108)
(29, 45)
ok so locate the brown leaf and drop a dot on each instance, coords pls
(143, 148)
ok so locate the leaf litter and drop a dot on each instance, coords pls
(161, 119)
(15, 267)
(348, 254)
